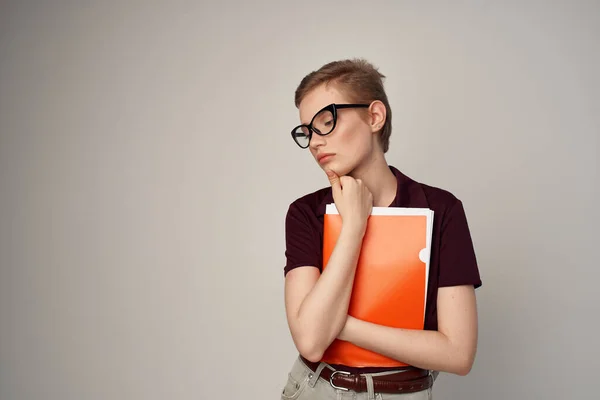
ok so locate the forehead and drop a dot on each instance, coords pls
(318, 98)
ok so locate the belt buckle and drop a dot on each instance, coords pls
(331, 379)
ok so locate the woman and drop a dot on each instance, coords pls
(346, 125)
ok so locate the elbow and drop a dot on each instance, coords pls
(311, 350)
(314, 357)
(463, 368)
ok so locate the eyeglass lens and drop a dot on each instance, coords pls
(322, 124)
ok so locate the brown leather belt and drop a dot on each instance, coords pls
(404, 381)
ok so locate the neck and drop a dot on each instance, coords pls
(377, 176)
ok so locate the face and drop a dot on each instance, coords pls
(350, 143)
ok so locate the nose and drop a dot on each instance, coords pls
(317, 141)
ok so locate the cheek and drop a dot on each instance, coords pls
(353, 146)
(359, 141)
(353, 134)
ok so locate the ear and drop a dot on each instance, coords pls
(377, 115)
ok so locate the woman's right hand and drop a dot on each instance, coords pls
(353, 200)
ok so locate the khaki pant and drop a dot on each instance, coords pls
(303, 384)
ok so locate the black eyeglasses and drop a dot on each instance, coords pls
(323, 123)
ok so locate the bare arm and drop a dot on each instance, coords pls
(317, 304)
(451, 349)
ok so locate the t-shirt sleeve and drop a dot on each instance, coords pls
(302, 247)
(458, 264)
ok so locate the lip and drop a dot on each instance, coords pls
(324, 157)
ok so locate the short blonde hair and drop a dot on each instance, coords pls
(356, 78)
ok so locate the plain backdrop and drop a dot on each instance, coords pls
(146, 167)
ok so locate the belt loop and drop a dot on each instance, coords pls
(314, 376)
(370, 389)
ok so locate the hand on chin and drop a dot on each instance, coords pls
(339, 170)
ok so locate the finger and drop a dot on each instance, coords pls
(346, 181)
(334, 180)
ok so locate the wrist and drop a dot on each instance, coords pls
(354, 227)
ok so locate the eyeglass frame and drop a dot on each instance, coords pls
(333, 107)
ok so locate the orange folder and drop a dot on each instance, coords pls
(390, 284)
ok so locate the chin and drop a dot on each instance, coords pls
(338, 168)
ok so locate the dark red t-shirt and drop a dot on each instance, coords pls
(452, 261)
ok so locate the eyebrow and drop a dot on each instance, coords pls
(306, 123)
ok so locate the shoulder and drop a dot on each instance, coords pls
(441, 200)
(448, 209)
(413, 193)
(311, 204)
(418, 194)
(438, 197)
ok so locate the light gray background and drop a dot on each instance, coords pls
(146, 167)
